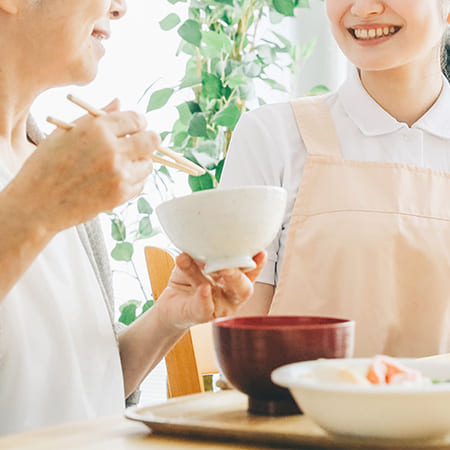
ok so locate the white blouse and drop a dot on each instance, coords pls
(266, 147)
(59, 360)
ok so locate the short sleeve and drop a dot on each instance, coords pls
(254, 159)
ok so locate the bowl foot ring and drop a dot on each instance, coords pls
(285, 407)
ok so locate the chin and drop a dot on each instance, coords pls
(375, 65)
(85, 76)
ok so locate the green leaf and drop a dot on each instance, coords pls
(179, 139)
(190, 31)
(166, 173)
(228, 117)
(147, 305)
(275, 17)
(309, 48)
(201, 183)
(215, 43)
(169, 22)
(128, 303)
(145, 228)
(286, 42)
(163, 135)
(178, 127)
(212, 86)
(284, 7)
(246, 91)
(128, 312)
(318, 90)
(184, 112)
(267, 54)
(235, 81)
(187, 48)
(118, 230)
(197, 126)
(144, 206)
(194, 107)
(190, 80)
(206, 154)
(274, 84)
(219, 170)
(159, 98)
(252, 69)
(123, 252)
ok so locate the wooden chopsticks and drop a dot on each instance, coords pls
(179, 162)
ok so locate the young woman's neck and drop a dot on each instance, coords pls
(406, 92)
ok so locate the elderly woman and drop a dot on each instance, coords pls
(60, 357)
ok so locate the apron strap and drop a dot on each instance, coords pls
(316, 127)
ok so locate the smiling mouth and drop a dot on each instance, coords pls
(366, 34)
(100, 35)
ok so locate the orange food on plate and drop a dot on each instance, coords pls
(386, 370)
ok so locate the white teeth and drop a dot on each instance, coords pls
(363, 33)
(97, 36)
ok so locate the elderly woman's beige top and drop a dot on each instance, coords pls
(369, 241)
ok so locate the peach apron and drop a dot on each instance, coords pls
(368, 241)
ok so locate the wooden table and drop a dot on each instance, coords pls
(112, 433)
(216, 421)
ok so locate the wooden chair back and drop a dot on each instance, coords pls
(193, 356)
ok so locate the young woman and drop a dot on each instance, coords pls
(367, 168)
(60, 358)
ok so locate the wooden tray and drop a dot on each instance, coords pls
(222, 416)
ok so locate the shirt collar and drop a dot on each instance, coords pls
(437, 119)
(373, 120)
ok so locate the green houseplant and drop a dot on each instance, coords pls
(227, 55)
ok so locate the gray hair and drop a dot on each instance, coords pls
(445, 5)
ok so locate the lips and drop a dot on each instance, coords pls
(101, 34)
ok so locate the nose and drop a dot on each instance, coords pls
(367, 8)
(118, 9)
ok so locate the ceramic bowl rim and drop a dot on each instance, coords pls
(219, 191)
(340, 322)
(283, 376)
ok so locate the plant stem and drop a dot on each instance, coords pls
(257, 21)
(125, 273)
(139, 280)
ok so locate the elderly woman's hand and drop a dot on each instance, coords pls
(99, 164)
(192, 298)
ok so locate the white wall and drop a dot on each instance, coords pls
(327, 65)
(138, 54)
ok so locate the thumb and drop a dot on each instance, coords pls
(113, 106)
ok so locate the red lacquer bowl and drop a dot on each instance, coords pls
(248, 349)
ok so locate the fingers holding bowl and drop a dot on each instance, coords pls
(225, 290)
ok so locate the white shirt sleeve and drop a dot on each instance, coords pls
(255, 157)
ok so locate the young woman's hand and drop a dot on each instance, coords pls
(192, 298)
(99, 164)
